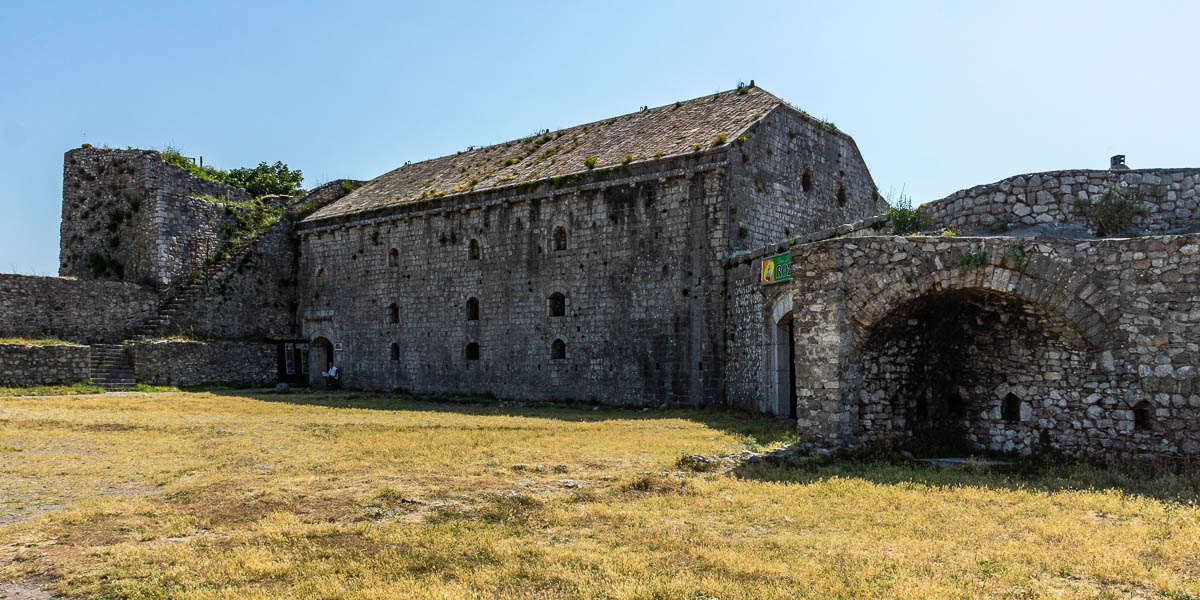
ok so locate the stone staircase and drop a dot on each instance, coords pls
(160, 322)
(111, 367)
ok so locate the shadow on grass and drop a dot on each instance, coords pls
(765, 430)
(1172, 483)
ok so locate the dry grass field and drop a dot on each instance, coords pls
(209, 495)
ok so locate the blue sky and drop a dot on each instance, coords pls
(939, 96)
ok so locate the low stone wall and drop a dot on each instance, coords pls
(1170, 200)
(72, 309)
(186, 363)
(22, 366)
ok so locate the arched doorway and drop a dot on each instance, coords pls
(969, 369)
(320, 354)
(781, 360)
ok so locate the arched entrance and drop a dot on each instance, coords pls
(781, 360)
(966, 369)
(320, 354)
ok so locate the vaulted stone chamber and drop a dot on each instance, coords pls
(969, 369)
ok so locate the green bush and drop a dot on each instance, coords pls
(258, 181)
(1113, 213)
(905, 219)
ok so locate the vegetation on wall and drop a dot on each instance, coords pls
(905, 219)
(262, 180)
(1114, 212)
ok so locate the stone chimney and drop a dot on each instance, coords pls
(1117, 163)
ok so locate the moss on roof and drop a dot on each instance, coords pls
(652, 133)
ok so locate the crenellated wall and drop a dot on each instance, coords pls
(1169, 199)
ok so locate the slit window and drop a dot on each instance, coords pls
(1010, 409)
(560, 238)
(806, 180)
(395, 351)
(473, 252)
(394, 258)
(394, 313)
(1142, 416)
(472, 309)
(471, 352)
(558, 305)
(841, 195)
(558, 350)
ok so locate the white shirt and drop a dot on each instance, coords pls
(332, 372)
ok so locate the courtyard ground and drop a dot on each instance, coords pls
(226, 495)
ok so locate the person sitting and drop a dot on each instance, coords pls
(333, 377)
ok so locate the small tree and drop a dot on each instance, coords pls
(267, 179)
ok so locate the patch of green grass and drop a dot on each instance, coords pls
(155, 389)
(52, 390)
(20, 341)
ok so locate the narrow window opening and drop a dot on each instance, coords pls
(560, 238)
(471, 352)
(473, 250)
(841, 195)
(558, 350)
(320, 276)
(394, 258)
(558, 305)
(472, 310)
(395, 351)
(806, 180)
(1010, 409)
(394, 313)
(1142, 420)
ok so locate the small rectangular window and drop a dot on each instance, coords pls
(303, 358)
(289, 358)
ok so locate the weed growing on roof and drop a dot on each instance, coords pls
(628, 159)
(590, 162)
(717, 141)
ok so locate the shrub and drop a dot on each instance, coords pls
(1114, 212)
(720, 139)
(590, 162)
(257, 181)
(905, 219)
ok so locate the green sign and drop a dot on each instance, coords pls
(776, 269)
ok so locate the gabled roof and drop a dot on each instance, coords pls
(653, 133)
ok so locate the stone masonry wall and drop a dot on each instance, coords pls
(792, 175)
(72, 309)
(22, 366)
(128, 215)
(186, 363)
(641, 278)
(1170, 200)
(1085, 334)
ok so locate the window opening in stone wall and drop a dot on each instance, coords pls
(472, 310)
(473, 250)
(841, 195)
(320, 276)
(289, 358)
(558, 305)
(471, 352)
(1142, 416)
(394, 313)
(395, 351)
(303, 358)
(1010, 409)
(394, 258)
(560, 238)
(558, 350)
(806, 180)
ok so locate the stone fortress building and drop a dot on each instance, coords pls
(727, 250)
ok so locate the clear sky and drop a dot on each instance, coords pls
(939, 96)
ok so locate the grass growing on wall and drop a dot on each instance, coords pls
(382, 496)
(19, 341)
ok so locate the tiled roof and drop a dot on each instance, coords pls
(648, 134)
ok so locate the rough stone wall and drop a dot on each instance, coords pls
(1170, 200)
(253, 296)
(1086, 332)
(72, 309)
(22, 366)
(792, 175)
(128, 215)
(642, 278)
(186, 363)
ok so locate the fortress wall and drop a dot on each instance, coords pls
(22, 366)
(72, 309)
(771, 199)
(1170, 200)
(185, 363)
(128, 215)
(641, 276)
(933, 334)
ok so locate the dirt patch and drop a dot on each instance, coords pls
(28, 590)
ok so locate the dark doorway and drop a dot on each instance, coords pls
(292, 361)
(320, 355)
